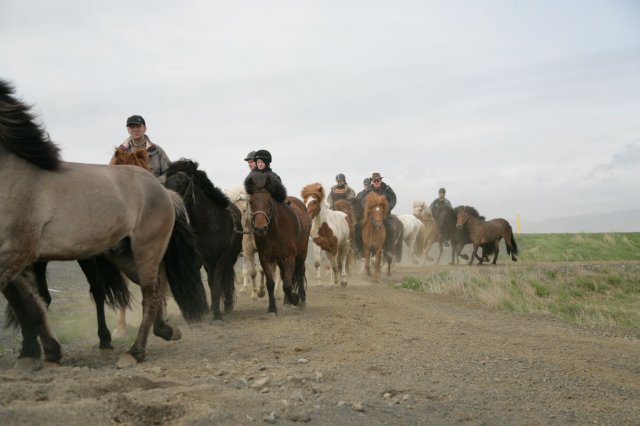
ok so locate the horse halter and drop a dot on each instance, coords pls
(190, 186)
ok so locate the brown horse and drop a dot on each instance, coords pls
(374, 233)
(140, 158)
(482, 232)
(281, 227)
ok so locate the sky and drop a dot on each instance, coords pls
(528, 109)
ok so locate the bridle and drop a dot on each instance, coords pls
(261, 212)
(190, 187)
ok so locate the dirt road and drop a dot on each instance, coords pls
(366, 355)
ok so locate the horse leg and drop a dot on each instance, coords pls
(440, 250)
(474, 255)
(228, 279)
(267, 269)
(299, 280)
(366, 260)
(378, 263)
(333, 260)
(40, 272)
(30, 312)
(497, 250)
(343, 256)
(96, 288)
(288, 267)
(317, 260)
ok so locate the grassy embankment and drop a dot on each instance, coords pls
(591, 279)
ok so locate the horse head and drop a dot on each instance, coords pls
(376, 209)
(261, 208)
(461, 217)
(418, 208)
(312, 196)
(138, 157)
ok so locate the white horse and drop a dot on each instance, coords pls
(250, 264)
(329, 231)
(413, 230)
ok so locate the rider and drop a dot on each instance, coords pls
(263, 163)
(340, 191)
(382, 188)
(439, 202)
(158, 160)
(367, 187)
(251, 161)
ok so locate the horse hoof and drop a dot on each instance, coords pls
(261, 293)
(28, 364)
(294, 299)
(302, 304)
(176, 334)
(243, 289)
(118, 333)
(126, 360)
(48, 365)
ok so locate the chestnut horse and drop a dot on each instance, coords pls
(487, 232)
(374, 233)
(329, 232)
(281, 227)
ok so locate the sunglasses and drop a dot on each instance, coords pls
(375, 180)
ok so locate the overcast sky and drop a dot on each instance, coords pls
(529, 108)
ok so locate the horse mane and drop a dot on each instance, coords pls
(313, 189)
(259, 180)
(235, 192)
(470, 210)
(139, 157)
(200, 178)
(374, 200)
(20, 135)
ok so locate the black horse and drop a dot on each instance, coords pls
(217, 225)
(446, 218)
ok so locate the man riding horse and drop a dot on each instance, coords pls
(382, 188)
(340, 191)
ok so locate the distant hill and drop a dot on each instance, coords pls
(621, 221)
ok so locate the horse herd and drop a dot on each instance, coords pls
(121, 221)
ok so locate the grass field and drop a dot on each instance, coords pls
(589, 279)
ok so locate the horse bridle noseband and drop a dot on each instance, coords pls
(267, 216)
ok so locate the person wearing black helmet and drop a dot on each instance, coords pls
(340, 191)
(251, 161)
(263, 163)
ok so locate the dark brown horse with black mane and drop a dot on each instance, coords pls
(70, 211)
(217, 225)
(281, 227)
(486, 233)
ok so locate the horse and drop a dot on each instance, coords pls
(431, 232)
(374, 233)
(140, 158)
(350, 209)
(217, 224)
(413, 230)
(240, 198)
(281, 227)
(329, 232)
(69, 211)
(486, 233)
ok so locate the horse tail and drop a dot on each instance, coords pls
(103, 276)
(514, 246)
(182, 264)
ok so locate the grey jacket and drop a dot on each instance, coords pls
(158, 160)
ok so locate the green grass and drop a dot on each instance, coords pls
(577, 247)
(590, 279)
(600, 295)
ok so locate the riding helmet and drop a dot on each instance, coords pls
(264, 155)
(250, 156)
(340, 176)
